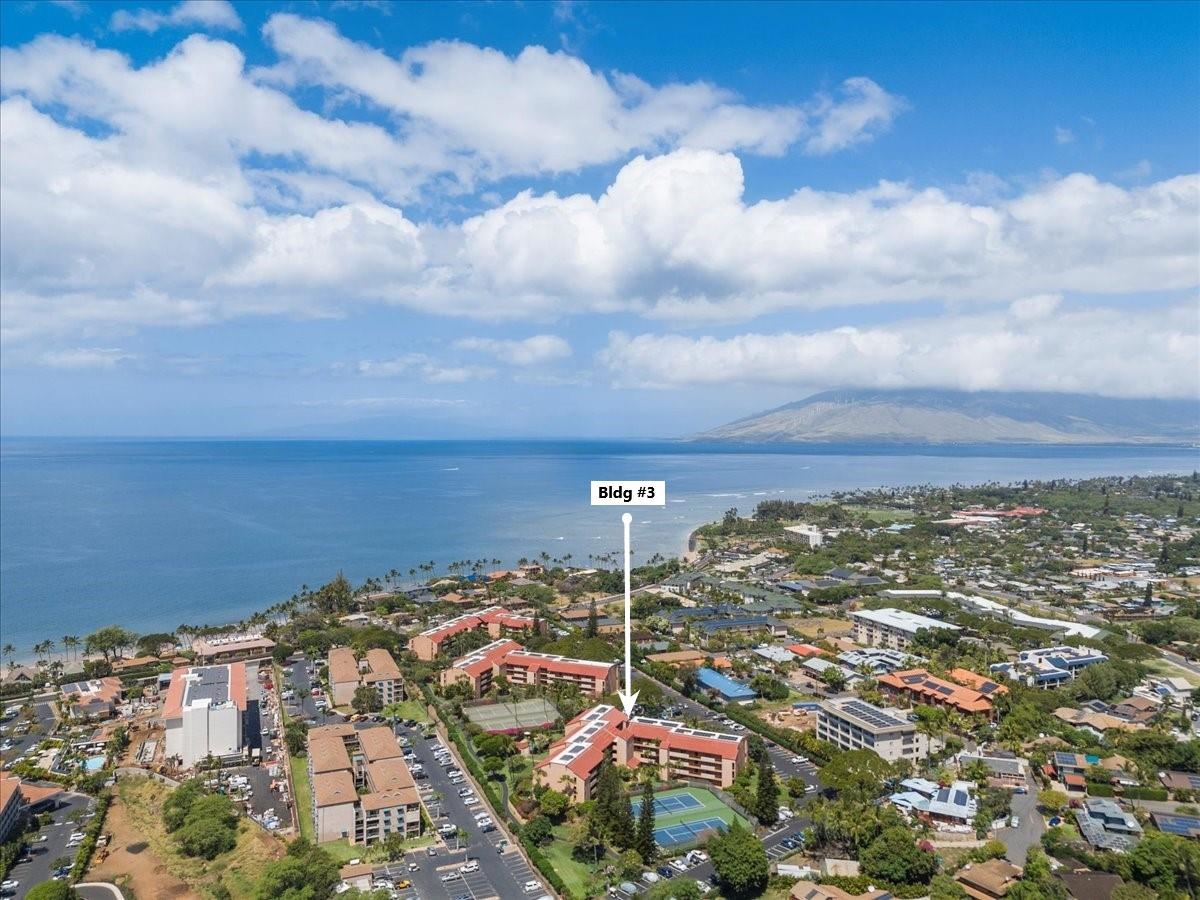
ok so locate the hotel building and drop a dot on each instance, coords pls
(377, 669)
(605, 733)
(894, 628)
(498, 621)
(362, 790)
(204, 712)
(854, 724)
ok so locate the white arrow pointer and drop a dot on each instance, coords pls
(629, 695)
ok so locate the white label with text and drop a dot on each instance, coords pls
(629, 493)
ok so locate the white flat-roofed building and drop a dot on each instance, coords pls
(854, 724)
(894, 628)
(204, 711)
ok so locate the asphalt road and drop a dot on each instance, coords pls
(40, 868)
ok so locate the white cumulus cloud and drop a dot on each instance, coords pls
(530, 351)
(1115, 352)
(200, 13)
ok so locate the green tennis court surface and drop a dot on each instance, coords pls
(687, 816)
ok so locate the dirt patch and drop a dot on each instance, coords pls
(144, 857)
(128, 859)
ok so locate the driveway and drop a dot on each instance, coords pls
(1029, 829)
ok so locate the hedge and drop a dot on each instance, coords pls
(1100, 790)
(469, 760)
(91, 835)
(543, 865)
(1145, 793)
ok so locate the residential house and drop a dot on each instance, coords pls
(988, 880)
(1106, 826)
(93, 699)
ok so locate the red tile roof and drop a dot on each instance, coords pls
(921, 684)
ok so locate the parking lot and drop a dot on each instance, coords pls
(502, 872)
(40, 864)
(10, 730)
(304, 705)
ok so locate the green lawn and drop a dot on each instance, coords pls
(576, 876)
(302, 796)
(413, 709)
(344, 851)
(1170, 670)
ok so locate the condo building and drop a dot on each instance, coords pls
(522, 667)
(918, 686)
(362, 790)
(498, 621)
(606, 733)
(854, 724)
(377, 669)
(893, 628)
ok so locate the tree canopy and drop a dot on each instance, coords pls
(740, 861)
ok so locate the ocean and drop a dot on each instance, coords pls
(155, 534)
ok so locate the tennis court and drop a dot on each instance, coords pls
(688, 832)
(513, 718)
(666, 804)
(684, 816)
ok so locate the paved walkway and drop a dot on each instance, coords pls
(99, 890)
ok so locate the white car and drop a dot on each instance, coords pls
(465, 792)
(651, 877)
(704, 886)
(532, 886)
(472, 866)
(785, 813)
(10, 885)
(450, 876)
(678, 865)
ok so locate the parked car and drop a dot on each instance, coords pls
(468, 868)
(532, 887)
(666, 872)
(679, 865)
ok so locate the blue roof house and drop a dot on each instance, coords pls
(726, 688)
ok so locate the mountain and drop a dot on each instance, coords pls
(944, 417)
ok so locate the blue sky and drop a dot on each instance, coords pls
(585, 220)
